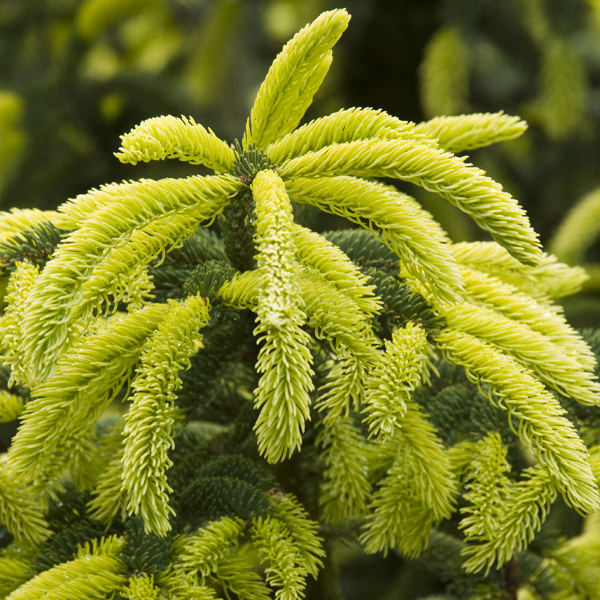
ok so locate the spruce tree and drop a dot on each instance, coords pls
(209, 393)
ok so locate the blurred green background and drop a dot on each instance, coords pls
(75, 74)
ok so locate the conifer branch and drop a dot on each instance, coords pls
(346, 489)
(395, 376)
(200, 554)
(524, 510)
(402, 304)
(14, 572)
(53, 298)
(364, 249)
(315, 252)
(168, 137)
(552, 365)
(79, 450)
(467, 132)
(181, 586)
(20, 511)
(425, 215)
(19, 219)
(334, 317)
(236, 575)
(241, 291)
(11, 407)
(284, 359)
(288, 88)
(11, 325)
(488, 487)
(150, 420)
(110, 498)
(302, 531)
(102, 289)
(84, 383)
(491, 292)
(461, 184)
(392, 219)
(286, 568)
(345, 387)
(542, 427)
(141, 587)
(417, 492)
(34, 245)
(347, 125)
(74, 212)
(96, 573)
(548, 279)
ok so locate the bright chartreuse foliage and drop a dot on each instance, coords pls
(577, 233)
(284, 388)
(151, 418)
(393, 378)
(284, 360)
